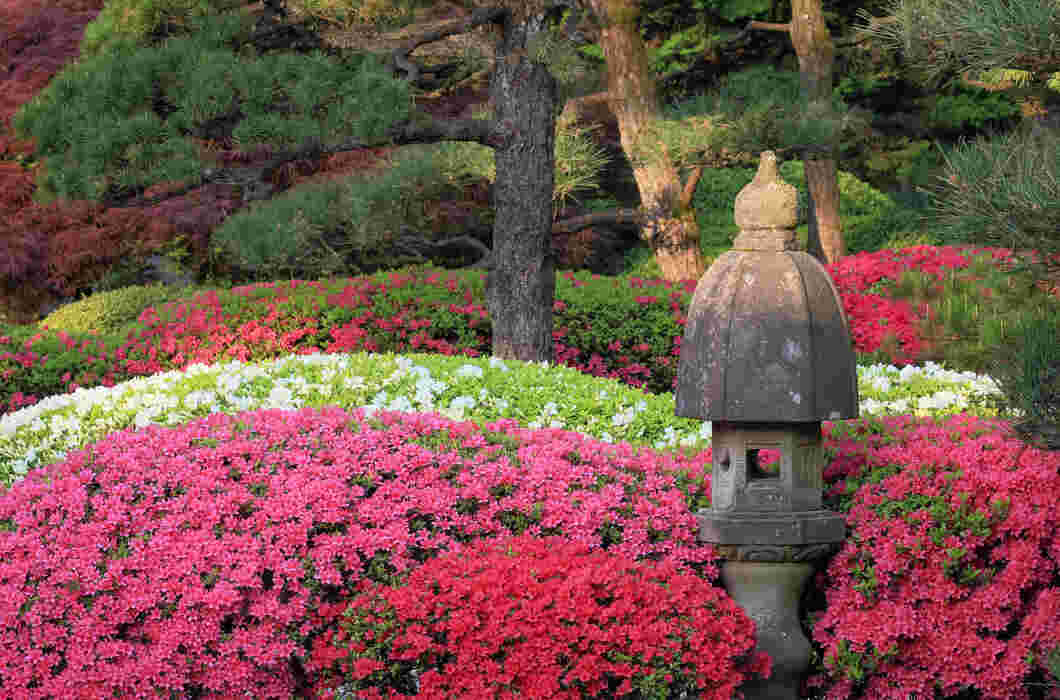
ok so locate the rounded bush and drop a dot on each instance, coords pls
(110, 311)
(196, 559)
(948, 579)
(544, 618)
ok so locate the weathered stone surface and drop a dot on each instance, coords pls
(766, 340)
(767, 202)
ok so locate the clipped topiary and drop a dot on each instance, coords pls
(544, 618)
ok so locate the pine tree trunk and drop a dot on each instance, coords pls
(825, 241)
(522, 280)
(813, 45)
(673, 234)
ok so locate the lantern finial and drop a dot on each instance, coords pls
(766, 210)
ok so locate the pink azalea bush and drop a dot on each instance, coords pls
(950, 575)
(538, 618)
(626, 329)
(203, 557)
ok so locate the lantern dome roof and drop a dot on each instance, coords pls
(767, 341)
(766, 338)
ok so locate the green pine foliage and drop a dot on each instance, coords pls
(348, 227)
(971, 109)
(318, 229)
(121, 120)
(137, 21)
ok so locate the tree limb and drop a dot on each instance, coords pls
(690, 188)
(416, 245)
(399, 57)
(612, 217)
(768, 26)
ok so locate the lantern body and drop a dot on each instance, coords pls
(766, 356)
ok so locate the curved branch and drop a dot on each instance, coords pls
(608, 217)
(399, 57)
(410, 243)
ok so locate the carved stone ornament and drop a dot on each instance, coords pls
(777, 554)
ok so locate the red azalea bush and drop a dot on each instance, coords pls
(596, 330)
(541, 618)
(196, 559)
(950, 575)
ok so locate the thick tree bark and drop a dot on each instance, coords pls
(813, 45)
(671, 230)
(521, 282)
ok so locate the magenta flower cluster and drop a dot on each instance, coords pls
(541, 618)
(198, 557)
(950, 575)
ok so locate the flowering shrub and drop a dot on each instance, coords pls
(195, 558)
(950, 575)
(478, 389)
(542, 618)
(428, 311)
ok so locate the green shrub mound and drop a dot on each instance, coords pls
(110, 311)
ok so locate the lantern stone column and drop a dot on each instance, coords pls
(767, 356)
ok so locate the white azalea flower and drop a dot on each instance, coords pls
(469, 371)
(400, 404)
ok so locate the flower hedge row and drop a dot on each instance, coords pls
(628, 330)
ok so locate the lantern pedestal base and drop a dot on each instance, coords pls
(769, 593)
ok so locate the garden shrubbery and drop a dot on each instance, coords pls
(200, 556)
(628, 329)
(217, 557)
(545, 618)
(950, 575)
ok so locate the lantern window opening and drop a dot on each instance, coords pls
(755, 470)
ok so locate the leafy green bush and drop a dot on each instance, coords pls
(100, 126)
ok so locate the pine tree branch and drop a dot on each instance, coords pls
(399, 57)
(608, 217)
(690, 188)
(768, 26)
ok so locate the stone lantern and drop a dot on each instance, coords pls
(766, 357)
